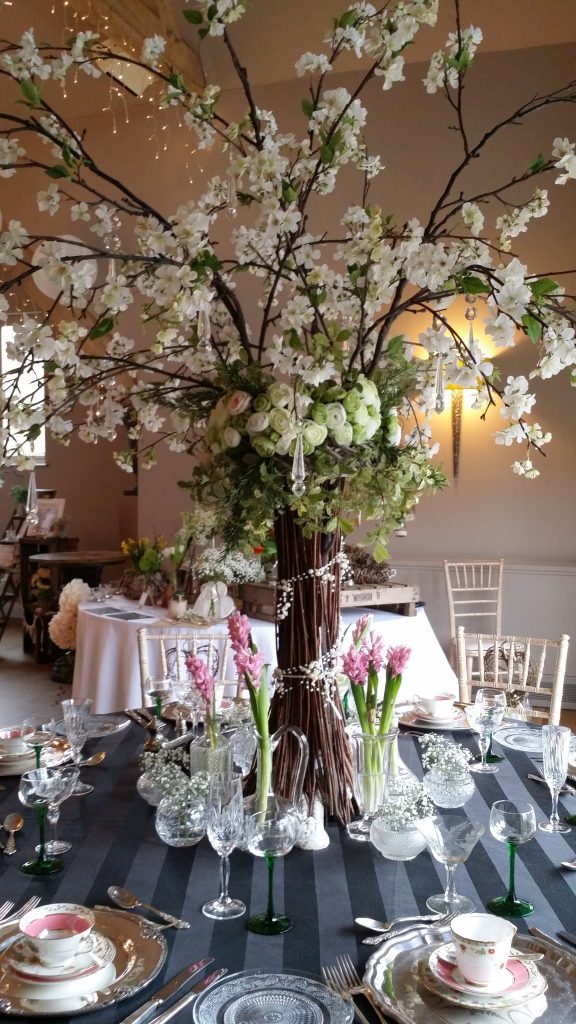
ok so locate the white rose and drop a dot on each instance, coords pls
(280, 420)
(336, 415)
(231, 437)
(283, 443)
(257, 423)
(238, 402)
(280, 394)
(315, 433)
(343, 434)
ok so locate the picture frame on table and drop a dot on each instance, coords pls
(50, 510)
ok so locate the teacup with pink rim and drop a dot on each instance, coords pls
(57, 932)
(11, 741)
(482, 944)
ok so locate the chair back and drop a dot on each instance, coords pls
(474, 595)
(162, 653)
(510, 663)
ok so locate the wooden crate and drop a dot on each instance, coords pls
(259, 599)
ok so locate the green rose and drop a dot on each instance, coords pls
(314, 433)
(352, 402)
(343, 434)
(263, 445)
(280, 394)
(318, 413)
(336, 415)
(393, 429)
(369, 391)
(359, 434)
(360, 416)
(261, 403)
(280, 420)
(283, 444)
(335, 393)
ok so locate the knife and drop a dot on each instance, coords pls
(548, 938)
(568, 937)
(563, 789)
(166, 991)
(180, 1004)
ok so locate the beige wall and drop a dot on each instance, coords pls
(489, 511)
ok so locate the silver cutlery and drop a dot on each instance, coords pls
(136, 717)
(385, 926)
(5, 908)
(138, 918)
(180, 1004)
(334, 984)
(538, 934)
(570, 790)
(375, 940)
(350, 983)
(571, 864)
(168, 990)
(568, 937)
(12, 823)
(128, 901)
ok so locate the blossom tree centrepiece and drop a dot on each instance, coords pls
(304, 407)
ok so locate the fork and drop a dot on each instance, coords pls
(330, 979)
(351, 984)
(30, 904)
(5, 908)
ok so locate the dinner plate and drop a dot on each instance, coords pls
(253, 996)
(515, 977)
(26, 965)
(17, 764)
(100, 726)
(480, 999)
(457, 724)
(139, 954)
(524, 738)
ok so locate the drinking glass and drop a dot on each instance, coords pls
(225, 826)
(512, 824)
(58, 785)
(38, 733)
(450, 841)
(270, 834)
(485, 716)
(556, 751)
(76, 723)
(243, 746)
(32, 793)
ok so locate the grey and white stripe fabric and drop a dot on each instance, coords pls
(114, 842)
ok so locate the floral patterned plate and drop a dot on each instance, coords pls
(524, 982)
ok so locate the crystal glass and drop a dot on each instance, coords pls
(555, 752)
(37, 733)
(243, 746)
(270, 834)
(450, 841)
(371, 775)
(160, 690)
(512, 824)
(485, 716)
(32, 793)
(59, 785)
(181, 821)
(224, 828)
(76, 723)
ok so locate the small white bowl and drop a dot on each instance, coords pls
(11, 741)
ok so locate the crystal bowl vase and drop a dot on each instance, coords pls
(397, 844)
(449, 790)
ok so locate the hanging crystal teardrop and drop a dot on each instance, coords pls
(232, 201)
(32, 501)
(298, 467)
(204, 331)
(439, 383)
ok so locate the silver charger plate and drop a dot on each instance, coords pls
(393, 972)
(140, 955)
(255, 996)
(524, 737)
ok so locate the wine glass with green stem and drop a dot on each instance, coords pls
(270, 833)
(38, 732)
(33, 791)
(513, 824)
(59, 786)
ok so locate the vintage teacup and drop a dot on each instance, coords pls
(439, 705)
(11, 741)
(57, 932)
(482, 945)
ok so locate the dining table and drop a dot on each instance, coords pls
(106, 666)
(114, 842)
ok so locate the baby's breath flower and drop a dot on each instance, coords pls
(407, 802)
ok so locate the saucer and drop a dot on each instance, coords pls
(476, 997)
(25, 964)
(516, 975)
(45, 990)
(425, 716)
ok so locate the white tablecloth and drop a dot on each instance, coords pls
(106, 668)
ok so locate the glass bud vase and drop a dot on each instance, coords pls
(148, 789)
(396, 844)
(211, 757)
(177, 605)
(181, 821)
(371, 767)
(449, 790)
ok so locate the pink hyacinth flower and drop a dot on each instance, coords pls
(398, 658)
(361, 626)
(201, 677)
(374, 649)
(355, 666)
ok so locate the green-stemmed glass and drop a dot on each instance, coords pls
(270, 834)
(512, 824)
(34, 791)
(38, 733)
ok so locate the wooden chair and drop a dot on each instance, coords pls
(162, 652)
(474, 599)
(513, 663)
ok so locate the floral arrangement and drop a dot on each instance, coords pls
(169, 772)
(146, 555)
(361, 664)
(62, 625)
(253, 673)
(216, 563)
(206, 686)
(442, 754)
(40, 588)
(405, 803)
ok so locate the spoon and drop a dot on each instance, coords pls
(128, 901)
(571, 864)
(12, 823)
(385, 926)
(97, 758)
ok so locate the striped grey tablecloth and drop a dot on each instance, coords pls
(115, 843)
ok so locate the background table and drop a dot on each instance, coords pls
(114, 842)
(86, 565)
(106, 667)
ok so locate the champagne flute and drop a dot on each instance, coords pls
(270, 834)
(37, 733)
(59, 785)
(76, 723)
(556, 751)
(32, 793)
(512, 824)
(450, 841)
(225, 826)
(485, 716)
